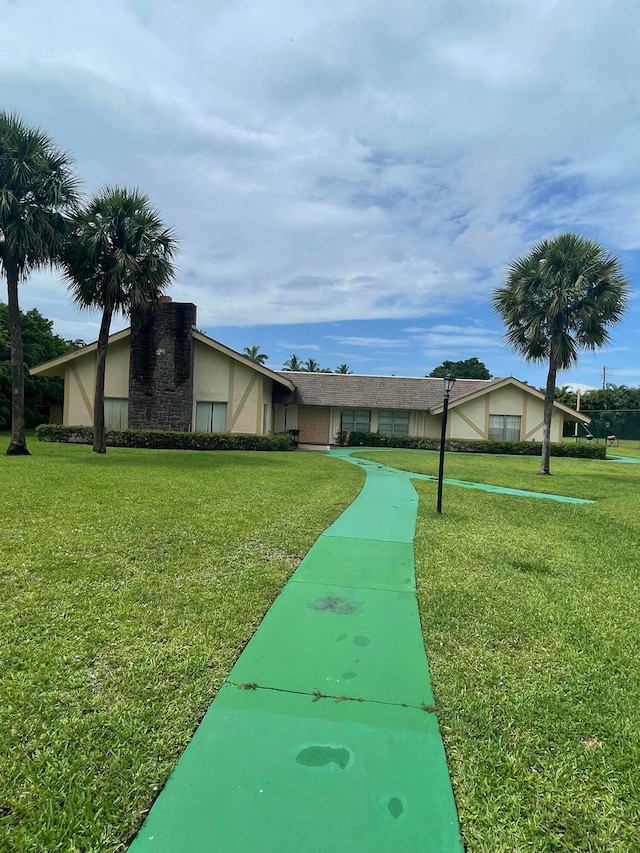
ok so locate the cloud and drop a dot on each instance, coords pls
(341, 161)
(382, 343)
(294, 347)
(440, 341)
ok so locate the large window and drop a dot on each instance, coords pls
(356, 420)
(393, 422)
(211, 417)
(504, 427)
(116, 413)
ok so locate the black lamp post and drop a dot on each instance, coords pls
(449, 382)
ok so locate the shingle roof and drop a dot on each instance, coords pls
(377, 392)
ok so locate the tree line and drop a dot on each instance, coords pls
(293, 362)
(611, 398)
(40, 343)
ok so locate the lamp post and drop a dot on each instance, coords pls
(449, 382)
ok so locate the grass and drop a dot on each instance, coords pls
(531, 615)
(625, 447)
(130, 583)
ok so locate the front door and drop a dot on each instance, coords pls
(313, 423)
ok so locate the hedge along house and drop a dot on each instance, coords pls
(163, 374)
(500, 409)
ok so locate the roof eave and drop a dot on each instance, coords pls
(254, 365)
(49, 368)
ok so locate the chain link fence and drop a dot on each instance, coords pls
(623, 423)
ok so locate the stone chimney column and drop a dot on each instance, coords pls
(161, 368)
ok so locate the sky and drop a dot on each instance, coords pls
(348, 181)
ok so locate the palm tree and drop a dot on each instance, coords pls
(343, 368)
(558, 299)
(293, 363)
(311, 366)
(255, 355)
(38, 190)
(119, 258)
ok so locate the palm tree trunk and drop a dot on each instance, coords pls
(99, 433)
(549, 395)
(18, 443)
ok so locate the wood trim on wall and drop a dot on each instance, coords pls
(525, 409)
(232, 379)
(243, 400)
(468, 421)
(487, 409)
(83, 391)
(65, 403)
(259, 410)
(531, 431)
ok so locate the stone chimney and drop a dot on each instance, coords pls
(161, 367)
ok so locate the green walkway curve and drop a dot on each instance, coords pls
(324, 737)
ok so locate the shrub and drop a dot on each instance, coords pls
(463, 445)
(164, 440)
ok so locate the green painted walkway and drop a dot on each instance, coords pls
(323, 738)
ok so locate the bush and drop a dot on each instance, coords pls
(463, 445)
(161, 440)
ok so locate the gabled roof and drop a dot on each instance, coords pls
(55, 366)
(494, 385)
(275, 375)
(377, 392)
(398, 392)
(50, 368)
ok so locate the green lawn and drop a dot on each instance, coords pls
(132, 581)
(626, 447)
(130, 584)
(531, 615)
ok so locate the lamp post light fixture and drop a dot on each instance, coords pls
(449, 382)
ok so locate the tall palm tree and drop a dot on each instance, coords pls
(558, 299)
(119, 258)
(343, 368)
(38, 189)
(311, 366)
(293, 363)
(255, 355)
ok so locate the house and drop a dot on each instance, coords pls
(501, 409)
(163, 374)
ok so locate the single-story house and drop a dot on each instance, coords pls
(162, 373)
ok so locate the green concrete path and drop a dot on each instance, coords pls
(629, 460)
(324, 736)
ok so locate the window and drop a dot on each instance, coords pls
(211, 417)
(504, 427)
(392, 422)
(356, 420)
(116, 413)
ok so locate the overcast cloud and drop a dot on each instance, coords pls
(341, 161)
